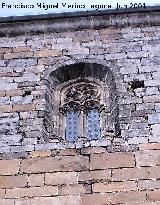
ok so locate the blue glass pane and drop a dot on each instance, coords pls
(93, 124)
(72, 126)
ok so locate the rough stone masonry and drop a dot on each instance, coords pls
(39, 167)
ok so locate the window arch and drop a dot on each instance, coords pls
(83, 103)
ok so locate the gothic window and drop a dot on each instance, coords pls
(81, 106)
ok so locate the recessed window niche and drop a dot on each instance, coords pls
(82, 104)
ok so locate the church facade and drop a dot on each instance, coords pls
(80, 108)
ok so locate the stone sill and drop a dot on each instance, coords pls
(94, 146)
(74, 145)
(24, 150)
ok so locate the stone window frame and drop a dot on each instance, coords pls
(61, 76)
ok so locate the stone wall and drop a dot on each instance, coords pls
(38, 169)
(92, 176)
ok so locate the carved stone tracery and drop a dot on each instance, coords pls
(82, 96)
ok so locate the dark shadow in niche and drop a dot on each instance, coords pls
(82, 71)
(27, 92)
(137, 84)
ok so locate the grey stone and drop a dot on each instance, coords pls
(138, 140)
(152, 91)
(154, 118)
(157, 107)
(8, 86)
(22, 62)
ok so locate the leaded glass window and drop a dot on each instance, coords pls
(72, 126)
(93, 124)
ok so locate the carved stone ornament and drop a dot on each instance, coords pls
(82, 96)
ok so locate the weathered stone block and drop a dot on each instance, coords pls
(2, 193)
(27, 77)
(13, 92)
(23, 108)
(5, 50)
(153, 195)
(74, 50)
(111, 160)
(150, 146)
(18, 55)
(137, 140)
(95, 198)
(7, 201)
(156, 130)
(152, 83)
(157, 107)
(4, 100)
(8, 86)
(64, 40)
(152, 91)
(13, 181)
(47, 53)
(154, 118)
(22, 148)
(136, 173)
(22, 63)
(9, 167)
(148, 184)
(46, 153)
(35, 180)
(67, 163)
(128, 197)
(74, 189)
(114, 187)
(5, 108)
(148, 158)
(32, 192)
(145, 69)
(60, 178)
(98, 175)
(153, 98)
